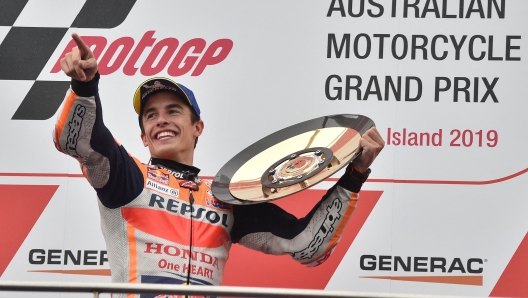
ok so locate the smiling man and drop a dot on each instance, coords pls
(169, 125)
(161, 222)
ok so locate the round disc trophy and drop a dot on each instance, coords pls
(291, 159)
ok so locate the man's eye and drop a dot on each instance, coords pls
(150, 116)
(173, 111)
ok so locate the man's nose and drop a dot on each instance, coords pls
(162, 119)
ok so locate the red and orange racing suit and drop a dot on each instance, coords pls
(162, 224)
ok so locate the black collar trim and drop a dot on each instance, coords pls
(178, 170)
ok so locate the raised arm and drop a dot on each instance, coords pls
(80, 132)
(309, 240)
(73, 130)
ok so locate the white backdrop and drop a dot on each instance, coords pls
(443, 201)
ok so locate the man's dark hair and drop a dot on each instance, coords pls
(194, 119)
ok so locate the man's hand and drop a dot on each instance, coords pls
(80, 63)
(371, 144)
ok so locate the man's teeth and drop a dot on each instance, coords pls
(165, 134)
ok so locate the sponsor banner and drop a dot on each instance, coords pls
(443, 211)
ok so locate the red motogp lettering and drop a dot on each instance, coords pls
(160, 54)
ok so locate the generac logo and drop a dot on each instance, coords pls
(453, 271)
(151, 55)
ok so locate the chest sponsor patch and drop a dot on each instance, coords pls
(162, 188)
(158, 176)
(217, 204)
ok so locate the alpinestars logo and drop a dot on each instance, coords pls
(75, 127)
(326, 227)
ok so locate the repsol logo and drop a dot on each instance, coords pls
(74, 128)
(178, 58)
(67, 257)
(327, 227)
(182, 208)
(420, 264)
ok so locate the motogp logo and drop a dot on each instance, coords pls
(179, 59)
(147, 55)
(27, 43)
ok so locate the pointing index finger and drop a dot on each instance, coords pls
(83, 48)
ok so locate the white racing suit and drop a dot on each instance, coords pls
(158, 230)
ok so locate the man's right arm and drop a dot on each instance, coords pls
(80, 132)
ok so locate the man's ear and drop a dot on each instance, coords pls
(198, 128)
(144, 139)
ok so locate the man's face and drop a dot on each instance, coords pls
(168, 129)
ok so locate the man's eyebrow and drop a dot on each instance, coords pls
(152, 109)
(173, 105)
(167, 107)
